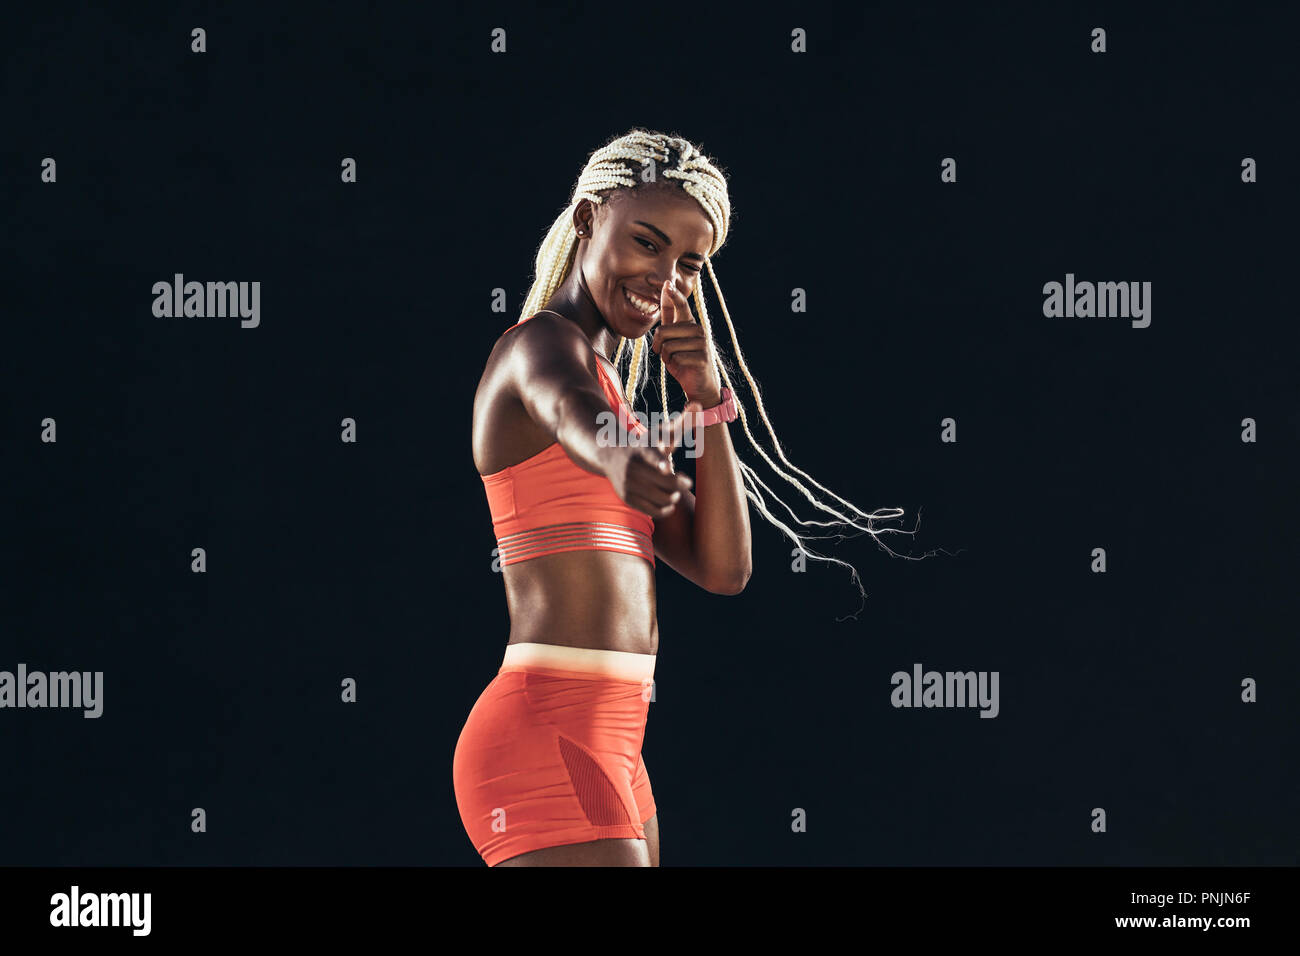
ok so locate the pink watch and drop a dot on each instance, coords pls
(724, 411)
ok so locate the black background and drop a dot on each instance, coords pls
(373, 561)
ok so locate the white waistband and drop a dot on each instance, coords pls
(622, 664)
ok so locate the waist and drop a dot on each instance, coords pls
(622, 665)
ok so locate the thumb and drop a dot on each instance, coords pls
(673, 437)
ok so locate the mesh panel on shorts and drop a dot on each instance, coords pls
(599, 799)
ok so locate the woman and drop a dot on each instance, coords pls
(548, 768)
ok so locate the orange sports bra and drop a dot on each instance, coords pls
(547, 503)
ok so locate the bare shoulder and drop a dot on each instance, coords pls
(544, 336)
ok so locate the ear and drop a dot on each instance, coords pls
(583, 216)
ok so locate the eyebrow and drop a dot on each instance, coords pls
(667, 241)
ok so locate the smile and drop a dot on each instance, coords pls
(644, 306)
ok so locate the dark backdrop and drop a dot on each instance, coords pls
(373, 560)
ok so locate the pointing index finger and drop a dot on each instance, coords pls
(667, 304)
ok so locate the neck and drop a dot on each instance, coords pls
(573, 301)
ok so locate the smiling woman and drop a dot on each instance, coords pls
(548, 767)
(683, 221)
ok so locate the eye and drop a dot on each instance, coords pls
(651, 246)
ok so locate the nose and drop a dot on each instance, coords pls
(682, 279)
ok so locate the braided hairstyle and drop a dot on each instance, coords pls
(618, 165)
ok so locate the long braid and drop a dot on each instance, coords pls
(618, 165)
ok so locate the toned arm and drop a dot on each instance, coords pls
(552, 370)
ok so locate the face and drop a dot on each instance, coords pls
(638, 241)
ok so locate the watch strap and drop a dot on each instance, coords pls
(724, 411)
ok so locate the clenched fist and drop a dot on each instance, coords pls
(642, 475)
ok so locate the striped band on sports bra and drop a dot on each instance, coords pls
(574, 536)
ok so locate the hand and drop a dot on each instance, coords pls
(682, 346)
(643, 475)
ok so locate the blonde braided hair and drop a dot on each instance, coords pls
(618, 165)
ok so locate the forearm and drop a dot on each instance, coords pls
(582, 424)
(720, 528)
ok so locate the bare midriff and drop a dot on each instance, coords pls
(596, 599)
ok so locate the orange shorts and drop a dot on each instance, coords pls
(551, 751)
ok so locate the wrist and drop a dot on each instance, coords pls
(707, 399)
(722, 411)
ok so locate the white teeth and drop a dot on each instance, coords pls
(641, 305)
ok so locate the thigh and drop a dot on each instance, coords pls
(593, 853)
(647, 812)
(652, 839)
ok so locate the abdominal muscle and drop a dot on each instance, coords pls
(597, 599)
